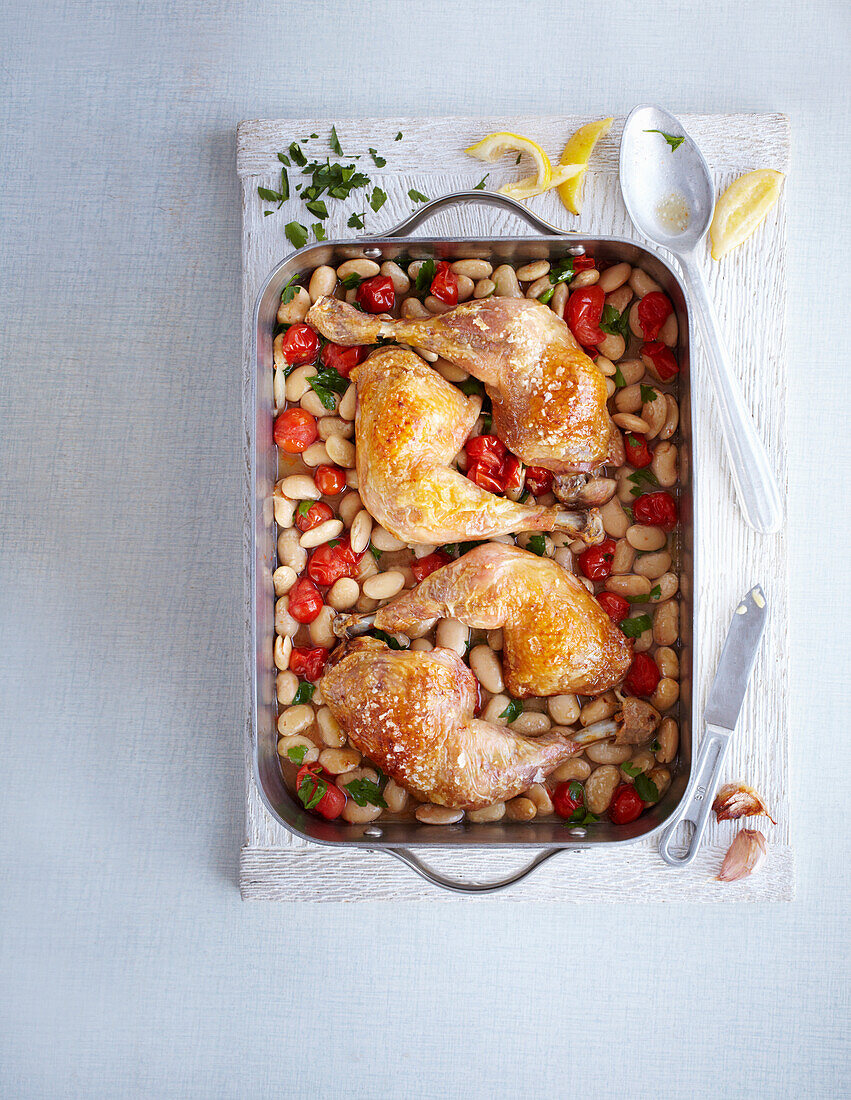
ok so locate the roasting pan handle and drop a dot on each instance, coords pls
(697, 805)
(406, 856)
(475, 198)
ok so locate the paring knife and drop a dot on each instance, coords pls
(722, 713)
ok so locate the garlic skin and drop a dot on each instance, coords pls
(746, 854)
(735, 800)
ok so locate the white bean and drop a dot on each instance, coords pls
(531, 723)
(283, 579)
(290, 552)
(295, 719)
(606, 752)
(341, 451)
(395, 796)
(666, 623)
(484, 288)
(294, 310)
(329, 728)
(299, 487)
(384, 585)
(346, 408)
(349, 507)
(653, 565)
(297, 383)
(452, 634)
(598, 709)
(321, 630)
(612, 346)
(283, 649)
(572, 769)
(641, 282)
(668, 737)
(520, 809)
(401, 282)
(600, 786)
(465, 288)
(564, 709)
(286, 685)
(335, 425)
(646, 538)
(339, 761)
(585, 278)
(302, 748)
(506, 282)
(315, 454)
(493, 710)
(494, 812)
(614, 277)
(322, 532)
(343, 594)
(322, 283)
(435, 305)
(487, 668)
(384, 541)
(528, 273)
(358, 266)
(437, 815)
(360, 531)
(473, 269)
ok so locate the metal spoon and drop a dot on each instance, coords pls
(670, 197)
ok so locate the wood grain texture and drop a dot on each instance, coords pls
(732, 556)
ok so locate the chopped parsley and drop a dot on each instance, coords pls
(376, 553)
(562, 271)
(289, 291)
(460, 548)
(318, 208)
(356, 220)
(425, 277)
(614, 323)
(537, 544)
(305, 690)
(548, 293)
(480, 186)
(654, 745)
(312, 790)
(620, 381)
(377, 199)
(365, 793)
(304, 507)
(296, 234)
(334, 142)
(512, 711)
(646, 789)
(634, 627)
(388, 639)
(284, 159)
(298, 157)
(654, 594)
(417, 196)
(297, 753)
(353, 281)
(647, 394)
(326, 383)
(631, 769)
(318, 231)
(471, 386)
(378, 161)
(674, 140)
(641, 477)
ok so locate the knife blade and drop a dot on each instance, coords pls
(737, 660)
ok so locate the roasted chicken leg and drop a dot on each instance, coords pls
(412, 714)
(556, 637)
(549, 400)
(409, 425)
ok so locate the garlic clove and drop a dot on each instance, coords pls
(735, 800)
(745, 855)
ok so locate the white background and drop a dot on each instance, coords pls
(128, 964)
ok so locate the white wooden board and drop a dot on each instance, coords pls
(749, 289)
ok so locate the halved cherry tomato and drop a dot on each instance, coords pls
(484, 475)
(427, 565)
(564, 803)
(342, 359)
(654, 309)
(584, 310)
(583, 263)
(308, 662)
(329, 480)
(511, 473)
(616, 607)
(656, 510)
(313, 780)
(311, 517)
(625, 806)
(295, 429)
(638, 454)
(643, 675)
(305, 601)
(662, 359)
(300, 344)
(376, 295)
(538, 480)
(596, 561)
(444, 286)
(328, 563)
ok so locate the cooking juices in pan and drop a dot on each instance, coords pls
(333, 558)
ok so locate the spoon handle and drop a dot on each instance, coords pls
(756, 487)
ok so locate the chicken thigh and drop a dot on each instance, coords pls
(409, 425)
(556, 637)
(549, 400)
(412, 714)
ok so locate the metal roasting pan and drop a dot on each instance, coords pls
(401, 838)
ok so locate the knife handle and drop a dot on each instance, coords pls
(697, 803)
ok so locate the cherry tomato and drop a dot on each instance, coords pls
(329, 480)
(643, 675)
(511, 473)
(295, 429)
(538, 480)
(616, 607)
(583, 263)
(483, 474)
(444, 286)
(654, 309)
(656, 510)
(300, 344)
(638, 454)
(486, 447)
(376, 295)
(308, 662)
(564, 802)
(313, 780)
(427, 565)
(662, 359)
(314, 515)
(584, 310)
(342, 359)
(625, 806)
(328, 563)
(305, 601)
(596, 561)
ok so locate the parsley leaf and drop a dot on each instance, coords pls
(297, 155)
(674, 140)
(289, 291)
(377, 199)
(517, 161)
(425, 276)
(620, 381)
(378, 161)
(284, 159)
(581, 816)
(305, 690)
(318, 231)
(268, 195)
(312, 790)
(334, 142)
(297, 753)
(654, 594)
(398, 137)
(376, 553)
(470, 386)
(654, 745)
(356, 220)
(634, 627)
(326, 383)
(646, 789)
(365, 793)
(562, 271)
(388, 639)
(647, 394)
(353, 281)
(296, 234)
(537, 544)
(417, 196)
(480, 186)
(614, 323)
(318, 208)
(513, 710)
(548, 293)
(304, 507)
(631, 769)
(576, 790)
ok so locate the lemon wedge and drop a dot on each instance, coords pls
(742, 207)
(578, 151)
(528, 187)
(494, 146)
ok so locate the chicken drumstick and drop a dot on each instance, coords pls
(549, 400)
(410, 423)
(412, 714)
(556, 637)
